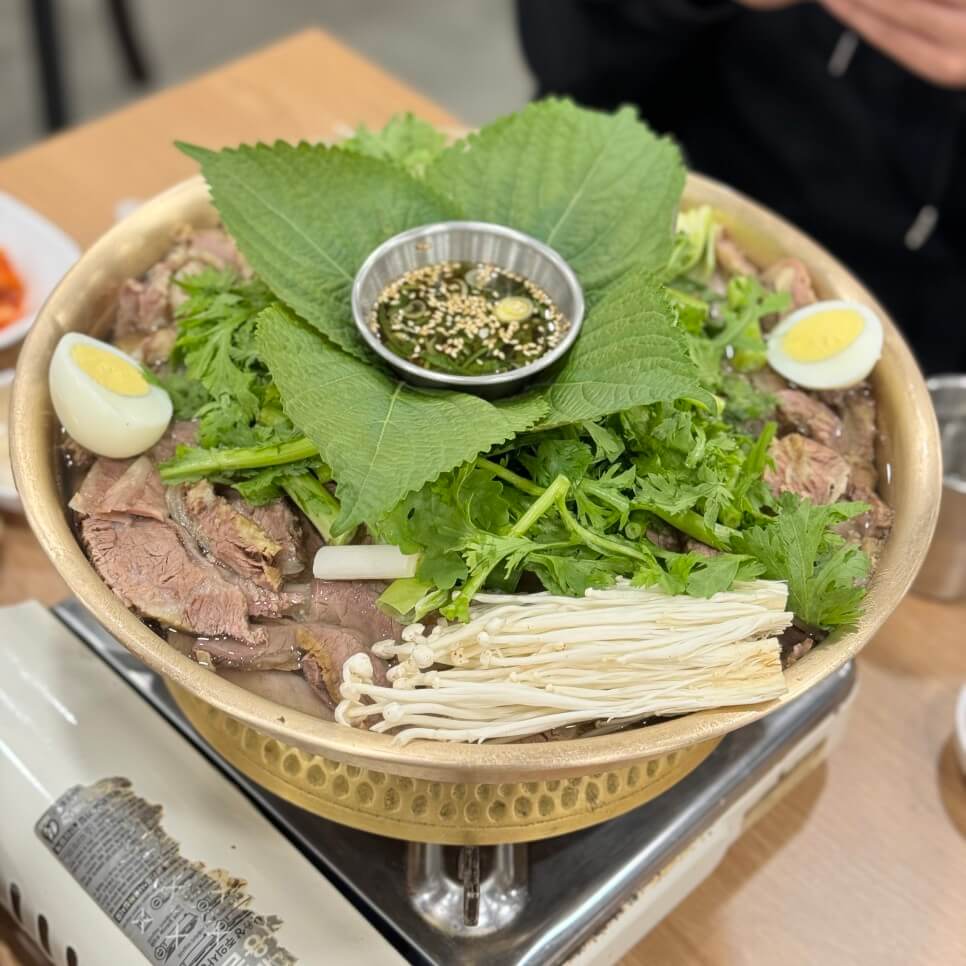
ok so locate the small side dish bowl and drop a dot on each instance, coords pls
(9, 500)
(40, 253)
(468, 241)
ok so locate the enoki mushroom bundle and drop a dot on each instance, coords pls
(526, 664)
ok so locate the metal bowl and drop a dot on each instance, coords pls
(84, 301)
(943, 574)
(468, 241)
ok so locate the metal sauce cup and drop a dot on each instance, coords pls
(468, 241)
(943, 575)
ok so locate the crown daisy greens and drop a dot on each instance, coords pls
(627, 429)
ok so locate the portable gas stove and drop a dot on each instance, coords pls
(68, 726)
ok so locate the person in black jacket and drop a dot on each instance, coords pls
(846, 116)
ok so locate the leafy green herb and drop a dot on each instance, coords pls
(629, 354)
(401, 436)
(824, 572)
(192, 463)
(307, 216)
(187, 394)
(739, 339)
(406, 140)
(599, 188)
(632, 448)
(215, 346)
(693, 250)
(318, 504)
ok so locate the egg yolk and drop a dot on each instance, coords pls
(110, 371)
(822, 335)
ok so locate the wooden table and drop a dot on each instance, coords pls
(865, 861)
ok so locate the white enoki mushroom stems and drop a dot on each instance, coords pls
(525, 664)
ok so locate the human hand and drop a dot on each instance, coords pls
(928, 37)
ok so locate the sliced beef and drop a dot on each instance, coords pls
(226, 534)
(77, 456)
(352, 603)
(144, 304)
(98, 481)
(795, 644)
(697, 547)
(858, 440)
(327, 648)
(120, 488)
(731, 258)
(871, 529)
(807, 468)
(139, 491)
(179, 433)
(790, 275)
(145, 563)
(155, 349)
(314, 677)
(666, 538)
(218, 246)
(279, 521)
(283, 687)
(768, 381)
(147, 304)
(279, 651)
(801, 413)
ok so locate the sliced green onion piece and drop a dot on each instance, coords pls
(513, 308)
(414, 309)
(363, 562)
(479, 277)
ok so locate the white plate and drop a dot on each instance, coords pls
(40, 254)
(9, 500)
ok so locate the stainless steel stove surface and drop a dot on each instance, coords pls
(552, 901)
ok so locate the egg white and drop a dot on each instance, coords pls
(105, 422)
(845, 368)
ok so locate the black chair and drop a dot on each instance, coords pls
(44, 17)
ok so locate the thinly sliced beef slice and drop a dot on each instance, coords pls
(697, 547)
(731, 257)
(858, 442)
(99, 479)
(155, 349)
(768, 381)
(120, 488)
(145, 563)
(327, 648)
(147, 304)
(282, 687)
(807, 468)
(800, 413)
(228, 535)
(144, 304)
(182, 432)
(279, 521)
(139, 491)
(795, 644)
(790, 275)
(352, 603)
(77, 456)
(278, 652)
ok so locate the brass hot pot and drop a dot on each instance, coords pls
(435, 791)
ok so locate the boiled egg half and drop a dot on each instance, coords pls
(103, 400)
(828, 345)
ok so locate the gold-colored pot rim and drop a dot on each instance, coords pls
(84, 301)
